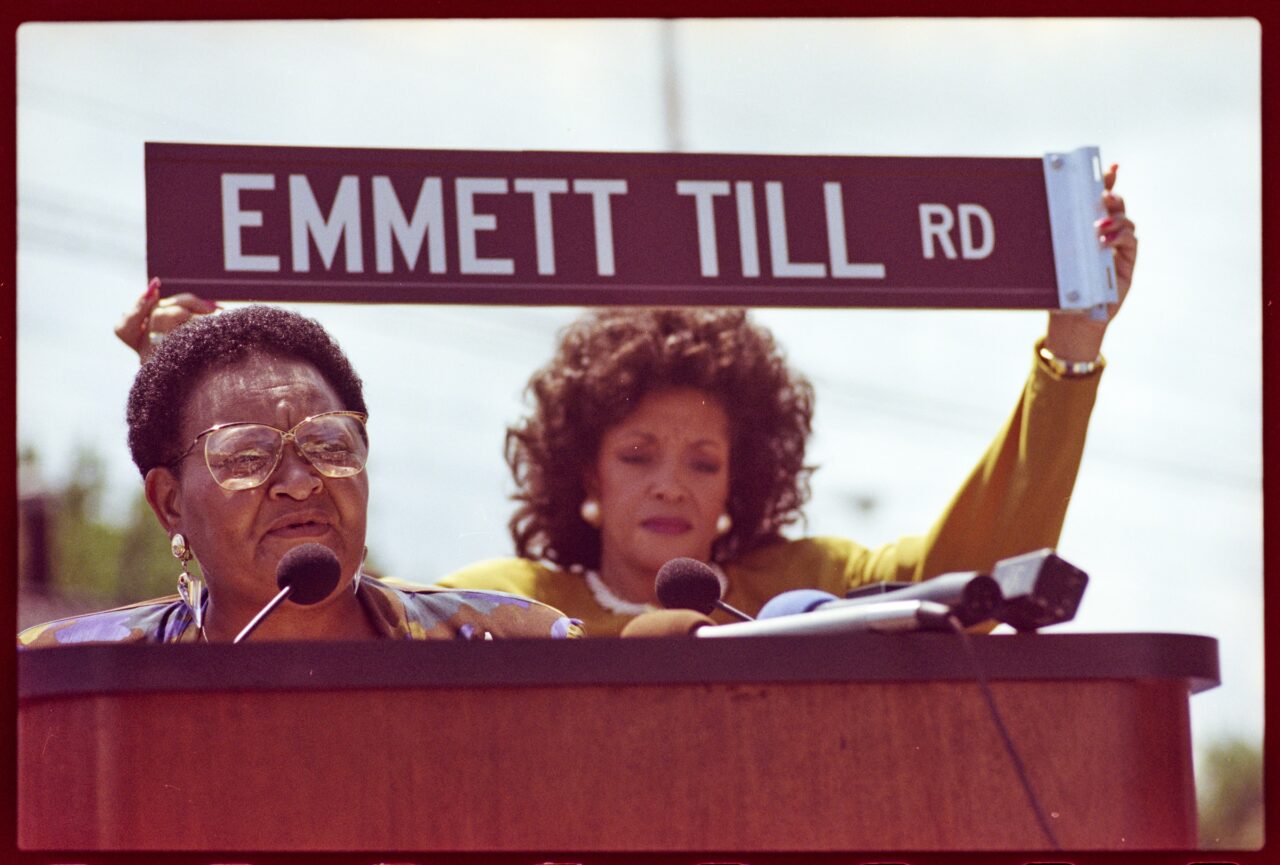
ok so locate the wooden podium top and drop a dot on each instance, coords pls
(914, 657)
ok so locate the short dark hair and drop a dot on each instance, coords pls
(606, 362)
(161, 388)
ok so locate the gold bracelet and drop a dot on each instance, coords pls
(1070, 368)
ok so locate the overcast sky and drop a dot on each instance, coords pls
(1167, 513)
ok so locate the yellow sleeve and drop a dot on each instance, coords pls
(515, 576)
(1015, 500)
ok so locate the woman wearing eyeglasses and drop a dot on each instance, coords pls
(249, 430)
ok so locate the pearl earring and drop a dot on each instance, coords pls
(724, 522)
(590, 513)
(190, 588)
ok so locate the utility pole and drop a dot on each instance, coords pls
(670, 85)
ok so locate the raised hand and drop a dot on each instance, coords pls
(152, 318)
(1075, 336)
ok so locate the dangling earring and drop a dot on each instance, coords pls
(590, 513)
(724, 522)
(190, 588)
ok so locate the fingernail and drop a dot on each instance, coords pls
(153, 288)
(1103, 223)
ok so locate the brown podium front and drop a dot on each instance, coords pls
(854, 742)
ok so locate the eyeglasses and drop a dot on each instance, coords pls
(241, 456)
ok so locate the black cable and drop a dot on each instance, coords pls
(1003, 731)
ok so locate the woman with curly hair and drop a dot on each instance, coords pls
(661, 433)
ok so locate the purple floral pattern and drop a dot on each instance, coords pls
(399, 610)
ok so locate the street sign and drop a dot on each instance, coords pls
(232, 222)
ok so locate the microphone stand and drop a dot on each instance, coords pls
(881, 616)
(257, 620)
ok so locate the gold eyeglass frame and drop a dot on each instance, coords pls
(286, 437)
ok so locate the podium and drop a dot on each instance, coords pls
(869, 742)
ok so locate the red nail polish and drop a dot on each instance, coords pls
(1106, 222)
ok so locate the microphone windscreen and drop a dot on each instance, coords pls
(666, 623)
(687, 584)
(795, 601)
(312, 570)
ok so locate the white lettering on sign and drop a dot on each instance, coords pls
(234, 219)
(343, 223)
(964, 230)
(702, 192)
(968, 212)
(392, 228)
(389, 219)
(937, 221)
(600, 190)
(544, 237)
(778, 250)
(469, 222)
(836, 242)
(747, 228)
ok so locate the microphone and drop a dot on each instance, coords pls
(881, 616)
(1028, 592)
(306, 575)
(1040, 588)
(688, 584)
(666, 623)
(970, 597)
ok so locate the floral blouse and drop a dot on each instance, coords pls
(397, 609)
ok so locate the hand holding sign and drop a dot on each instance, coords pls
(1073, 335)
(258, 223)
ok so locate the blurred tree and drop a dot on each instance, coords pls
(85, 551)
(146, 568)
(33, 523)
(1230, 800)
(111, 558)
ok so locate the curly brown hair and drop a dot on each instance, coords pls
(606, 362)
